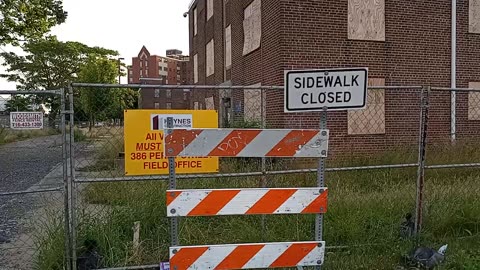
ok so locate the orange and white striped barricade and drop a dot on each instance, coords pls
(247, 256)
(250, 201)
(247, 143)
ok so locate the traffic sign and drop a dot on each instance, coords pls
(333, 89)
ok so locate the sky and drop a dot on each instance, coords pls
(124, 26)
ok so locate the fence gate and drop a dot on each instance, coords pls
(289, 143)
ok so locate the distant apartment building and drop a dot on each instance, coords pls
(166, 70)
(253, 42)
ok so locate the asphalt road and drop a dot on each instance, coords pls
(22, 165)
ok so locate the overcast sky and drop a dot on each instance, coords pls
(124, 26)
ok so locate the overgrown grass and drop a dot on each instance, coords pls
(361, 225)
(8, 135)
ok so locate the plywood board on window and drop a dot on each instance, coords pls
(370, 120)
(474, 16)
(195, 68)
(228, 46)
(366, 20)
(474, 102)
(209, 103)
(253, 104)
(210, 58)
(209, 9)
(252, 27)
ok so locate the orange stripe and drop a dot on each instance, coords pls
(234, 143)
(239, 257)
(213, 203)
(178, 140)
(293, 255)
(185, 257)
(271, 201)
(172, 195)
(319, 202)
(288, 146)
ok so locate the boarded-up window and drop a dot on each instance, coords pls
(474, 17)
(228, 46)
(252, 27)
(209, 9)
(366, 19)
(195, 68)
(195, 18)
(210, 58)
(209, 103)
(371, 119)
(254, 106)
(474, 102)
(195, 105)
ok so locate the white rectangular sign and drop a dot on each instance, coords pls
(180, 121)
(26, 120)
(335, 89)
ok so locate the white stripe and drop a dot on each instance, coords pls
(299, 201)
(212, 257)
(244, 200)
(263, 143)
(185, 202)
(317, 254)
(267, 255)
(314, 147)
(205, 142)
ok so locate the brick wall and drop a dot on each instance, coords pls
(314, 34)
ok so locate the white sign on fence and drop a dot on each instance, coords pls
(335, 89)
(26, 120)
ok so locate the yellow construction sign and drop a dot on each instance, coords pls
(143, 135)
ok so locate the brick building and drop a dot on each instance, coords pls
(172, 70)
(252, 42)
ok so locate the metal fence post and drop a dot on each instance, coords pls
(172, 185)
(72, 181)
(66, 185)
(263, 181)
(422, 143)
(321, 182)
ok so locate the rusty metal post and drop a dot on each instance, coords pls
(422, 143)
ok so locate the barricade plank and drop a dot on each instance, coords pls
(247, 143)
(252, 201)
(248, 256)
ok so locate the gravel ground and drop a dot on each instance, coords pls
(22, 165)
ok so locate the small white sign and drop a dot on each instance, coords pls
(26, 120)
(165, 266)
(180, 121)
(334, 89)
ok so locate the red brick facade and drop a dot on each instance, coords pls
(171, 70)
(314, 34)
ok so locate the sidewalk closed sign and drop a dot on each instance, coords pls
(334, 89)
(26, 120)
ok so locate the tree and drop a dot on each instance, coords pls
(49, 64)
(18, 104)
(28, 19)
(97, 103)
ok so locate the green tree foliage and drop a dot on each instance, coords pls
(28, 19)
(100, 103)
(18, 103)
(49, 64)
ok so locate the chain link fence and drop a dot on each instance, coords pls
(31, 180)
(389, 164)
